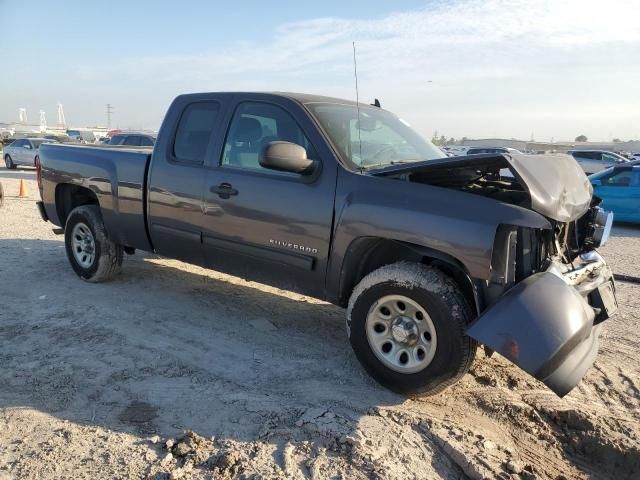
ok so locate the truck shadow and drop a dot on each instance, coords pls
(168, 347)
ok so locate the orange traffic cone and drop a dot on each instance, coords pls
(23, 189)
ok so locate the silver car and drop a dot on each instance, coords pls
(23, 151)
(593, 161)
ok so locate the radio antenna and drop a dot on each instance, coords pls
(355, 74)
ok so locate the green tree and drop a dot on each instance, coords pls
(581, 138)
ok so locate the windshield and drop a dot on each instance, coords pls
(374, 139)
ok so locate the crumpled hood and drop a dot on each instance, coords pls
(557, 184)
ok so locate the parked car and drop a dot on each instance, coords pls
(57, 138)
(348, 204)
(23, 151)
(593, 161)
(133, 140)
(479, 150)
(457, 150)
(619, 189)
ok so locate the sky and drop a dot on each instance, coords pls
(474, 68)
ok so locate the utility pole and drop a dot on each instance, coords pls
(109, 111)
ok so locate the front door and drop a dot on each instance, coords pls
(620, 193)
(269, 226)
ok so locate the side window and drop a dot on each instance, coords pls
(194, 131)
(619, 179)
(18, 143)
(254, 125)
(117, 140)
(146, 142)
(132, 141)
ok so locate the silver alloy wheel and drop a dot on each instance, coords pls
(7, 161)
(83, 245)
(401, 334)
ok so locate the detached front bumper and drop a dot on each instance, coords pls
(549, 323)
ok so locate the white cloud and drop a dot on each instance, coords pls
(496, 67)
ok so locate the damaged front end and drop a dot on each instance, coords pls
(546, 306)
(549, 290)
(548, 324)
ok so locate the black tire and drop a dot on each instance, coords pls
(36, 159)
(108, 255)
(448, 310)
(9, 162)
(1, 195)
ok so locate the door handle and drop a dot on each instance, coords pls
(224, 190)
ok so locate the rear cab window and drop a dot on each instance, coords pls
(194, 131)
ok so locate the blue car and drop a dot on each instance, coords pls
(619, 189)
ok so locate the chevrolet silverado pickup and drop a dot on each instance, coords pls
(344, 202)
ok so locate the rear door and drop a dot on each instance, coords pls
(269, 226)
(15, 150)
(177, 176)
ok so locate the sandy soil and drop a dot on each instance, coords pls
(110, 381)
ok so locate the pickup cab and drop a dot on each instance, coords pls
(344, 202)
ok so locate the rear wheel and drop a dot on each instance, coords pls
(8, 162)
(93, 256)
(406, 324)
(36, 161)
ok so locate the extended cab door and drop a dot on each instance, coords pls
(177, 176)
(269, 226)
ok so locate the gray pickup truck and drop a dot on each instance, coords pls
(343, 202)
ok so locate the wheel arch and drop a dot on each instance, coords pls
(367, 254)
(69, 196)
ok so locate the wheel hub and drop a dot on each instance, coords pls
(401, 333)
(404, 330)
(83, 245)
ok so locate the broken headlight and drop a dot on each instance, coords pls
(599, 228)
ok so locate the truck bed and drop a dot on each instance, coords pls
(115, 175)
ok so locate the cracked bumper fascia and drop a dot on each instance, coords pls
(545, 323)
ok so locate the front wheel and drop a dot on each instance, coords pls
(9, 162)
(93, 256)
(406, 324)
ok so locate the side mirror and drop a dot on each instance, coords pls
(286, 157)
(28, 147)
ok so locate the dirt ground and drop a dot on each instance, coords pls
(173, 371)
